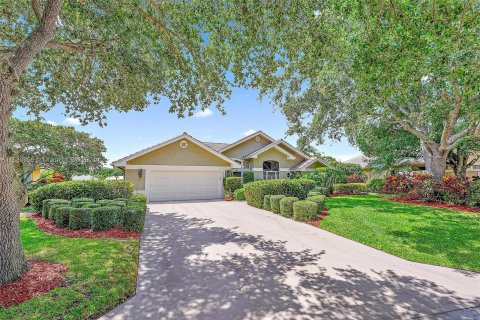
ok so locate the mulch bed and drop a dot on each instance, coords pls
(49, 226)
(436, 205)
(319, 218)
(41, 278)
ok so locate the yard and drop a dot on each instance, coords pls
(417, 233)
(102, 273)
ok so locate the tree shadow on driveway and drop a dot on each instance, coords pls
(190, 269)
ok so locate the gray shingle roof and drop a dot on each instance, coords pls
(216, 145)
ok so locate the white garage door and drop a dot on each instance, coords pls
(185, 185)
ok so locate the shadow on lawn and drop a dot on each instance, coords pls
(190, 269)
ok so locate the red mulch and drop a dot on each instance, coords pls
(319, 218)
(41, 278)
(436, 205)
(49, 226)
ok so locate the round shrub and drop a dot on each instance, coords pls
(286, 206)
(304, 210)
(275, 203)
(96, 189)
(132, 219)
(313, 193)
(233, 183)
(103, 218)
(61, 216)
(256, 191)
(239, 194)
(79, 218)
(266, 202)
(320, 201)
(376, 185)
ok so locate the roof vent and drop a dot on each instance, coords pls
(257, 138)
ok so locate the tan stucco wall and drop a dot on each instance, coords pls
(246, 148)
(132, 176)
(274, 154)
(173, 154)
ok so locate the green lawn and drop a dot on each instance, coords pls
(417, 233)
(102, 273)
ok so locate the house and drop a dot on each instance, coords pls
(184, 168)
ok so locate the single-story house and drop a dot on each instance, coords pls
(184, 168)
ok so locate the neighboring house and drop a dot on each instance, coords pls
(35, 175)
(84, 177)
(184, 168)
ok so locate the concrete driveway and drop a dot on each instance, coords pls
(227, 260)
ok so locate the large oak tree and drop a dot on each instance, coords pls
(96, 56)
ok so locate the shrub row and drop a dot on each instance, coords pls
(301, 210)
(92, 189)
(350, 188)
(257, 190)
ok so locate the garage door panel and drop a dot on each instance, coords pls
(185, 185)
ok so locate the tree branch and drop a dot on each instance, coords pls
(419, 134)
(36, 10)
(68, 47)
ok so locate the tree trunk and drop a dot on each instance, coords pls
(435, 162)
(460, 167)
(13, 263)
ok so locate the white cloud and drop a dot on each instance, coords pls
(72, 121)
(204, 113)
(53, 123)
(249, 132)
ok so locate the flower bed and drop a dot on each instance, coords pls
(41, 278)
(50, 227)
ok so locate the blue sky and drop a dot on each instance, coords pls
(126, 133)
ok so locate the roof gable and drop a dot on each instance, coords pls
(246, 139)
(274, 145)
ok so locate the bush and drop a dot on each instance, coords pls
(322, 190)
(61, 216)
(239, 194)
(320, 201)
(376, 185)
(304, 210)
(104, 202)
(355, 178)
(275, 203)
(79, 218)
(46, 205)
(313, 193)
(138, 197)
(248, 177)
(96, 189)
(80, 204)
(91, 205)
(266, 202)
(286, 206)
(132, 219)
(327, 177)
(120, 204)
(103, 218)
(52, 207)
(75, 200)
(233, 183)
(256, 191)
(350, 188)
(474, 195)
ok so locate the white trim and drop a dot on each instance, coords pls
(177, 168)
(268, 147)
(123, 161)
(261, 169)
(236, 143)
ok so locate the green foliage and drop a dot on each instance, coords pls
(61, 148)
(103, 218)
(96, 189)
(255, 191)
(61, 216)
(320, 201)
(475, 193)
(79, 218)
(132, 219)
(233, 183)
(304, 210)
(275, 203)
(84, 200)
(313, 193)
(322, 190)
(286, 206)
(350, 188)
(91, 205)
(104, 202)
(248, 177)
(239, 194)
(108, 172)
(326, 178)
(137, 197)
(376, 185)
(266, 202)
(48, 202)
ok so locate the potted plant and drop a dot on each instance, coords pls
(229, 196)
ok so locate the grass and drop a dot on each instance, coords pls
(102, 273)
(417, 233)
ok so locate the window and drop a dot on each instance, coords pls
(476, 167)
(271, 169)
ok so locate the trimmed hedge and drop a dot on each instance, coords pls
(75, 200)
(132, 219)
(239, 194)
(104, 202)
(320, 201)
(138, 197)
(96, 189)
(275, 202)
(350, 188)
(48, 202)
(313, 194)
(233, 183)
(248, 177)
(103, 218)
(91, 205)
(304, 210)
(256, 191)
(52, 207)
(79, 218)
(61, 216)
(286, 206)
(266, 202)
